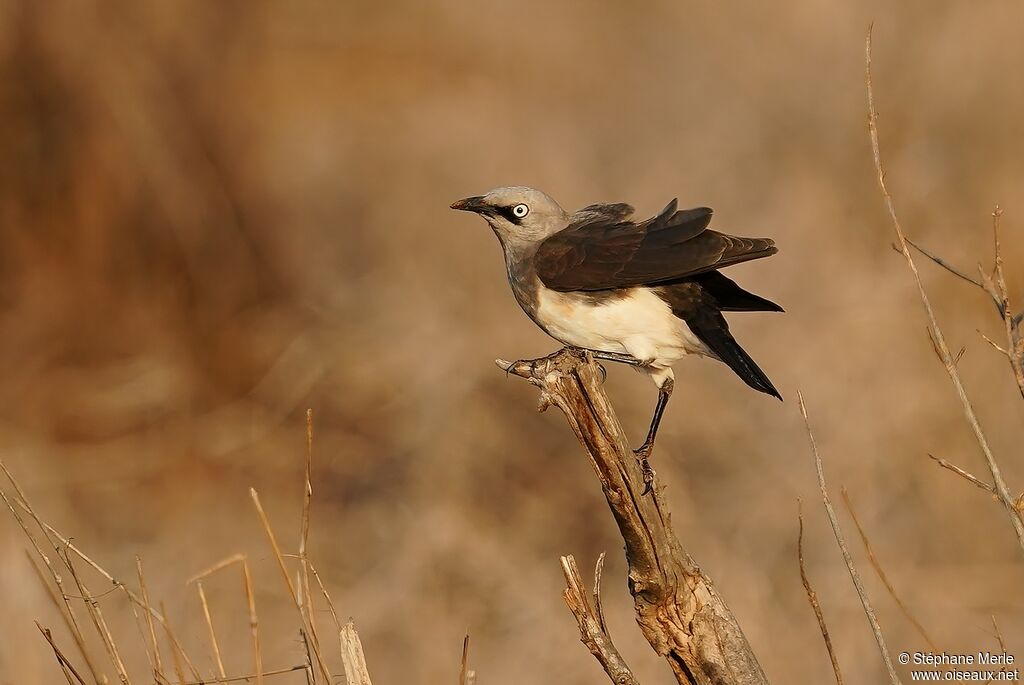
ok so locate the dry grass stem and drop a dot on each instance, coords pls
(65, 665)
(93, 607)
(67, 613)
(592, 633)
(965, 475)
(154, 644)
(258, 676)
(838, 532)
(939, 338)
(219, 566)
(213, 634)
(287, 578)
(254, 624)
(177, 653)
(812, 597)
(877, 565)
(466, 675)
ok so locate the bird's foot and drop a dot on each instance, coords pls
(643, 454)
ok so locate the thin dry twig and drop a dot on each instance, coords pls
(219, 566)
(592, 633)
(812, 596)
(881, 573)
(940, 340)
(838, 532)
(965, 475)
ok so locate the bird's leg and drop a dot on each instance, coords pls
(619, 357)
(644, 451)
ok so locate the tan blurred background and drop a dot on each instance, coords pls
(214, 215)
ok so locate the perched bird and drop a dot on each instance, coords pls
(646, 293)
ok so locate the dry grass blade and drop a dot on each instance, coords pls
(93, 607)
(352, 656)
(304, 594)
(812, 597)
(838, 532)
(213, 634)
(70, 621)
(258, 676)
(881, 573)
(327, 597)
(465, 674)
(219, 566)
(940, 340)
(254, 624)
(158, 666)
(65, 665)
(177, 653)
(287, 578)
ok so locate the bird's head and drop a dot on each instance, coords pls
(518, 215)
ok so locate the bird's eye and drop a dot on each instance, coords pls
(520, 210)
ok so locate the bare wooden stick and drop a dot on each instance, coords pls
(812, 597)
(838, 532)
(352, 656)
(940, 340)
(593, 634)
(680, 612)
(877, 565)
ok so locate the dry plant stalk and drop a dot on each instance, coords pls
(937, 337)
(68, 555)
(678, 608)
(812, 597)
(877, 565)
(841, 541)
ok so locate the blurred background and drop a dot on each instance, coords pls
(215, 215)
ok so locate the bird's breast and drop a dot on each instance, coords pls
(632, 321)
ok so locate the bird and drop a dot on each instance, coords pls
(645, 293)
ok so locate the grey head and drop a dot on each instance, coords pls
(521, 217)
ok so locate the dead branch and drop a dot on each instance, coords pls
(678, 608)
(593, 631)
(940, 341)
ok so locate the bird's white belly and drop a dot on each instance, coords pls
(640, 324)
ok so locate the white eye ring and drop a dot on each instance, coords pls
(520, 210)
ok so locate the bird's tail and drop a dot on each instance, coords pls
(713, 331)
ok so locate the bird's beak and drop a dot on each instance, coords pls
(472, 204)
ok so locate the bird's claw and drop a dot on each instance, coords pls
(643, 454)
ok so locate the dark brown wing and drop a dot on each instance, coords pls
(602, 249)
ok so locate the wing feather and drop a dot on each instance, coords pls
(602, 249)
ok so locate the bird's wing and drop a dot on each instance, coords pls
(602, 249)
